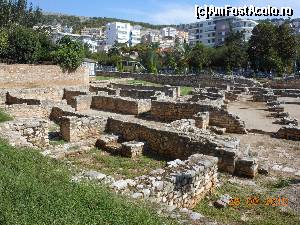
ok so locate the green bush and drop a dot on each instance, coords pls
(69, 54)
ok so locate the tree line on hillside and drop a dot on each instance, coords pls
(20, 43)
(271, 49)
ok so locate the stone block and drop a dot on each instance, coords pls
(246, 167)
(132, 149)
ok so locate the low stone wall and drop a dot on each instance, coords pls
(11, 100)
(32, 76)
(137, 94)
(70, 94)
(58, 112)
(172, 92)
(181, 184)
(75, 129)
(171, 110)
(202, 80)
(82, 103)
(294, 93)
(27, 111)
(284, 83)
(108, 90)
(169, 142)
(26, 132)
(120, 105)
(289, 132)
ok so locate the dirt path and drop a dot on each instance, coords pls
(254, 114)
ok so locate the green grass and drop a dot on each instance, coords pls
(259, 214)
(4, 116)
(143, 83)
(104, 78)
(117, 166)
(37, 190)
(185, 90)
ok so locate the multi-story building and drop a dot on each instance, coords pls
(151, 37)
(182, 36)
(213, 32)
(168, 32)
(93, 31)
(118, 32)
(85, 39)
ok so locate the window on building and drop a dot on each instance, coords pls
(208, 41)
(213, 40)
(201, 25)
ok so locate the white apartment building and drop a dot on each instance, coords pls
(213, 32)
(93, 31)
(168, 32)
(85, 39)
(118, 32)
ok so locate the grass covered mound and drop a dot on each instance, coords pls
(37, 190)
(4, 116)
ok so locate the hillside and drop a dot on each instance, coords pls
(78, 22)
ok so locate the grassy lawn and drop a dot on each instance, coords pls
(143, 82)
(185, 90)
(37, 190)
(104, 78)
(117, 166)
(4, 116)
(249, 214)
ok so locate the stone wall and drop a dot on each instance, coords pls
(289, 132)
(27, 111)
(172, 92)
(33, 76)
(11, 100)
(202, 80)
(120, 105)
(171, 110)
(70, 94)
(75, 129)
(181, 184)
(293, 83)
(169, 142)
(294, 93)
(26, 132)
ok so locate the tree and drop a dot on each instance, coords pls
(235, 51)
(262, 49)
(69, 54)
(150, 58)
(286, 45)
(3, 43)
(24, 45)
(199, 57)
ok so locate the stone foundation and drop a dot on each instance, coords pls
(120, 105)
(181, 184)
(177, 143)
(75, 129)
(289, 132)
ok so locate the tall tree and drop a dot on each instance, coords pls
(286, 45)
(262, 48)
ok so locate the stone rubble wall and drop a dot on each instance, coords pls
(120, 104)
(33, 76)
(26, 132)
(75, 129)
(181, 184)
(11, 100)
(171, 110)
(27, 111)
(137, 94)
(58, 112)
(70, 94)
(166, 141)
(203, 80)
(108, 90)
(82, 103)
(172, 92)
(289, 133)
(294, 93)
(283, 83)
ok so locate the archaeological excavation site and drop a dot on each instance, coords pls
(202, 149)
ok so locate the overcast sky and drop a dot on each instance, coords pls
(151, 11)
